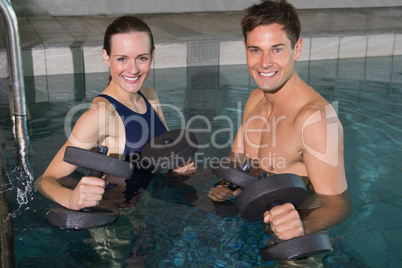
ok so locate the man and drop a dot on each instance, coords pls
(287, 126)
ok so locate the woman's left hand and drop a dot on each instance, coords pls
(189, 168)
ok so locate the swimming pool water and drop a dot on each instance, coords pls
(174, 224)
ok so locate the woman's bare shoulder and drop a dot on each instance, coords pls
(150, 93)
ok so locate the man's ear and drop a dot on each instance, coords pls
(106, 58)
(298, 48)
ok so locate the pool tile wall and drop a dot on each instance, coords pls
(66, 45)
(53, 46)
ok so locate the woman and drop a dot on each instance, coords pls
(124, 117)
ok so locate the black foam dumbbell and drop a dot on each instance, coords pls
(98, 164)
(236, 177)
(270, 191)
(262, 193)
(170, 149)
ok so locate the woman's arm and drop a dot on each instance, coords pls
(88, 130)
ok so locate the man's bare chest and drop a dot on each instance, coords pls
(274, 141)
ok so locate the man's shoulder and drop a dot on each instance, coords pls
(256, 93)
(253, 99)
(315, 104)
(255, 96)
(317, 115)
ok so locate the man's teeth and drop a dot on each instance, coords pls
(268, 74)
(131, 78)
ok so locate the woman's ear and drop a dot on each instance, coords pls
(106, 58)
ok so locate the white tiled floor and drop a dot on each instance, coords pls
(62, 45)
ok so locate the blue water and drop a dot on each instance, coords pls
(168, 228)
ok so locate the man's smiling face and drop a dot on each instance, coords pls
(270, 57)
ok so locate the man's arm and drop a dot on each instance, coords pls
(334, 209)
(324, 161)
(322, 147)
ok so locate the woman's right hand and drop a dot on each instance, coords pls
(87, 193)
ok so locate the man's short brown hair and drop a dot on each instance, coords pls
(269, 12)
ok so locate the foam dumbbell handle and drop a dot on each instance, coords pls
(274, 204)
(233, 187)
(96, 173)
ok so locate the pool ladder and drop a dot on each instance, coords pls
(16, 79)
(19, 117)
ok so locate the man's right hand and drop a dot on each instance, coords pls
(87, 193)
(221, 192)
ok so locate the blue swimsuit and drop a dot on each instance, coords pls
(140, 128)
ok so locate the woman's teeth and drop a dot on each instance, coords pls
(131, 78)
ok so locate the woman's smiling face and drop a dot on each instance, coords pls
(129, 60)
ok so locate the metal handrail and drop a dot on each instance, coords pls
(17, 100)
(19, 117)
(14, 57)
(16, 78)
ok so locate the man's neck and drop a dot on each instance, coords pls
(285, 96)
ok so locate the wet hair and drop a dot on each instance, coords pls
(269, 12)
(126, 24)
